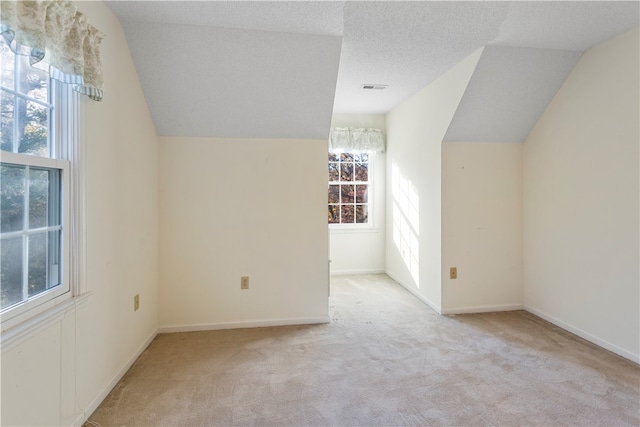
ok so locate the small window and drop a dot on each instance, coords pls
(34, 188)
(349, 188)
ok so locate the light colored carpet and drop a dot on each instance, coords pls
(385, 359)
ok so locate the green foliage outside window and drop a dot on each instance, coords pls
(30, 224)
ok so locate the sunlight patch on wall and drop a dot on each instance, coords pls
(406, 221)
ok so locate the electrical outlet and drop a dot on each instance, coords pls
(136, 302)
(453, 273)
(244, 282)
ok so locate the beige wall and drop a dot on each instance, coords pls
(59, 375)
(415, 130)
(362, 251)
(236, 207)
(482, 226)
(581, 196)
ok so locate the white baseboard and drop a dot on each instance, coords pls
(354, 272)
(587, 336)
(417, 294)
(243, 325)
(93, 405)
(483, 309)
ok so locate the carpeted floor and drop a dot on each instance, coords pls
(385, 359)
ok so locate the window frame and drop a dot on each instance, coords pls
(31, 306)
(354, 226)
(64, 130)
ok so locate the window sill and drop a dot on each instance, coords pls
(353, 230)
(21, 332)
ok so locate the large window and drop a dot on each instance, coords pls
(31, 230)
(349, 188)
(34, 186)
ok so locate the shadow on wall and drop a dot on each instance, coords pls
(406, 221)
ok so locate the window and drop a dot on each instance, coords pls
(34, 187)
(349, 188)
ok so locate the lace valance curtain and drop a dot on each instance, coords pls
(350, 139)
(54, 32)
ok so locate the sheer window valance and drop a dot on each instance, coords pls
(54, 32)
(350, 139)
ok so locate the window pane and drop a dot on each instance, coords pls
(334, 214)
(38, 198)
(334, 172)
(6, 120)
(333, 157)
(54, 272)
(334, 194)
(346, 157)
(362, 214)
(10, 271)
(12, 189)
(347, 214)
(362, 172)
(346, 172)
(37, 263)
(347, 194)
(33, 122)
(361, 194)
(32, 81)
(361, 157)
(6, 58)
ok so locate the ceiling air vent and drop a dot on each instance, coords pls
(374, 87)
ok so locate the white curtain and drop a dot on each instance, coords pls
(356, 139)
(53, 31)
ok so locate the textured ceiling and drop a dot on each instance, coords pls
(404, 45)
(304, 17)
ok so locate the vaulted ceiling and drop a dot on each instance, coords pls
(279, 69)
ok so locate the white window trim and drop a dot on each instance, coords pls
(354, 230)
(76, 154)
(21, 332)
(18, 327)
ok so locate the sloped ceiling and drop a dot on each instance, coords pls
(509, 90)
(280, 68)
(209, 81)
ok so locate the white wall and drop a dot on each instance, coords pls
(375, 121)
(242, 207)
(415, 130)
(361, 251)
(59, 375)
(581, 196)
(482, 226)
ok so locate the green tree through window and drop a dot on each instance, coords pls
(32, 232)
(25, 108)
